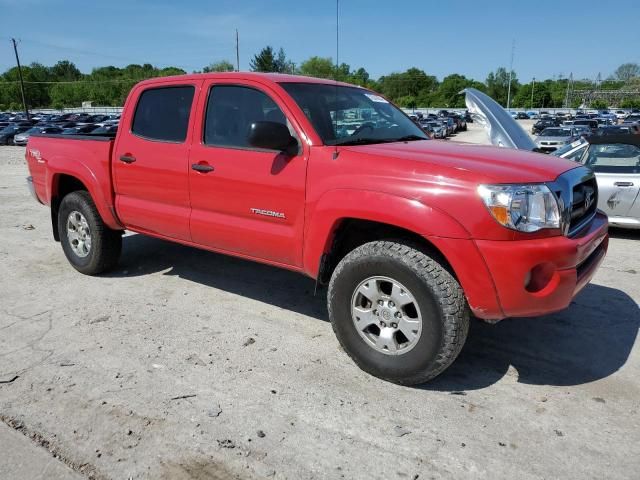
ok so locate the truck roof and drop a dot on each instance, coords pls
(256, 76)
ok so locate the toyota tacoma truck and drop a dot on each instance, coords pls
(412, 236)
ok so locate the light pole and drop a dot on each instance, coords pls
(533, 86)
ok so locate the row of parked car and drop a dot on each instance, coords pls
(557, 131)
(15, 129)
(615, 117)
(442, 124)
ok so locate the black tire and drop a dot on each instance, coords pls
(445, 318)
(106, 244)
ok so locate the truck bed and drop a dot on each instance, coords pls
(86, 157)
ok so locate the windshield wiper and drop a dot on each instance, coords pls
(360, 141)
(408, 138)
(370, 141)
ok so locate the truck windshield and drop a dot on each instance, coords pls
(351, 115)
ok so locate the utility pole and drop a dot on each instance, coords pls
(533, 87)
(513, 49)
(237, 52)
(24, 101)
(569, 90)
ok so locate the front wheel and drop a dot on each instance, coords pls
(90, 246)
(397, 312)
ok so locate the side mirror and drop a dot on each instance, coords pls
(272, 136)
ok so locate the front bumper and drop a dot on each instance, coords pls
(569, 264)
(494, 274)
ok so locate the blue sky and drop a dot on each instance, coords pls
(470, 37)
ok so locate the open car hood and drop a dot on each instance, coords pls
(502, 129)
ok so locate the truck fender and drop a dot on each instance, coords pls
(339, 204)
(100, 192)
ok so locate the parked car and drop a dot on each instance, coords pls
(437, 129)
(582, 130)
(552, 138)
(631, 119)
(618, 129)
(455, 230)
(8, 133)
(615, 159)
(572, 151)
(106, 130)
(592, 124)
(22, 138)
(620, 114)
(79, 130)
(543, 123)
(522, 116)
(449, 124)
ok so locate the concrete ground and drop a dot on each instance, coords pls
(184, 364)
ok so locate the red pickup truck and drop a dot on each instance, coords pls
(411, 235)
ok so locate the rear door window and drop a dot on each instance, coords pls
(162, 114)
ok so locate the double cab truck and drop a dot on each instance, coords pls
(412, 236)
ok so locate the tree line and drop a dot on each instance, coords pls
(63, 85)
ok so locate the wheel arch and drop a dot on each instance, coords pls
(345, 219)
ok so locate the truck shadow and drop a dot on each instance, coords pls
(143, 255)
(590, 340)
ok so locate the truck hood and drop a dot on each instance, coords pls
(473, 163)
(501, 127)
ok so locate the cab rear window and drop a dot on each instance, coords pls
(162, 114)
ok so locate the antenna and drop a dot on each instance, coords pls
(335, 79)
(237, 52)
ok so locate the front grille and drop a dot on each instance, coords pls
(577, 194)
(584, 202)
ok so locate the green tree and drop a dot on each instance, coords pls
(627, 71)
(221, 66)
(630, 103)
(599, 104)
(267, 61)
(412, 83)
(319, 67)
(65, 71)
(498, 85)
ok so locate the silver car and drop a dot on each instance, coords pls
(23, 138)
(552, 138)
(616, 161)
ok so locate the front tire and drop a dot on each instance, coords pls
(397, 312)
(90, 246)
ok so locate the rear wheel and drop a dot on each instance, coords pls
(90, 246)
(397, 312)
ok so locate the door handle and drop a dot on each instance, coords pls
(623, 184)
(202, 168)
(127, 158)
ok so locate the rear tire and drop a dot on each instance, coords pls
(90, 246)
(433, 305)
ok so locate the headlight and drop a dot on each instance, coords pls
(526, 208)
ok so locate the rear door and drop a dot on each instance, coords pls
(151, 160)
(245, 200)
(617, 168)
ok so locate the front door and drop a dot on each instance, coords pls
(151, 161)
(245, 200)
(617, 168)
